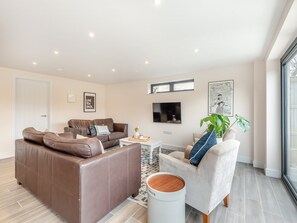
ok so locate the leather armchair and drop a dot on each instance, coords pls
(209, 183)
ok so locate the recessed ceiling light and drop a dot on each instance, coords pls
(59, 69)
(146, 62)
(157, 2)
(34, 63)
(196, 50)
(91, 34)
(113, 70)
(56, 52)
(89, 75)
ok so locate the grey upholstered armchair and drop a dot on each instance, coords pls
(210, 182)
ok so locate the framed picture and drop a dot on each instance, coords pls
(89, 102)
(221, 97)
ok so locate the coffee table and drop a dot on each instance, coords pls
(151, 145)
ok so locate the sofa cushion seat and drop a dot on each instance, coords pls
(116, 135)
(84, 148)
(102, 138)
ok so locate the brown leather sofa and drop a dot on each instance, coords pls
(117, 130)
(81, 190)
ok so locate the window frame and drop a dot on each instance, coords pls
(289, 54)
(171, 86)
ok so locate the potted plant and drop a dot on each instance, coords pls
(221, 124)
(216, 122)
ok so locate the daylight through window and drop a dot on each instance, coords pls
(174, 86)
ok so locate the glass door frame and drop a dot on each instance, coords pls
(289, 54)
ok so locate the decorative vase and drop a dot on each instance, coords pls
(173, 118)
(136, 135)
(219, 140)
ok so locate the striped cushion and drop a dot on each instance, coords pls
(202, 146)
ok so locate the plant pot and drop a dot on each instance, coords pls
(219, 140)
(136, 135)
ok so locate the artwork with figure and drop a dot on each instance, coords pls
(89, 102)
(220, 97)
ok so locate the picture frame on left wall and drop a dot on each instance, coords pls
(89, 102)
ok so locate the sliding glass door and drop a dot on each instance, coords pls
(289, 118)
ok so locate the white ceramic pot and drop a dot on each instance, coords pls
(219, 140)
(136, 135)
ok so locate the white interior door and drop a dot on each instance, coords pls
(32, 105)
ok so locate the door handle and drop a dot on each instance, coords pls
(44, 116)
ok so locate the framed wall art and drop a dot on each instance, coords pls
(221, 97)
(89, 102)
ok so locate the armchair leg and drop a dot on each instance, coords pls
(205, 218)
(226, 201)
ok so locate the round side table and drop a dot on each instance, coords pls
(166, 198)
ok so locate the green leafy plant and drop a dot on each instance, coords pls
(243, 123)
(216, 122)
(221, 124)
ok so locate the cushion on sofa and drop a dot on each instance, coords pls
(33, 135)
(92, 130)
(78, 136)
(84, 148)
(106, 121)
(202, 146)
(102, 130)
(116, 135)
(36, 136)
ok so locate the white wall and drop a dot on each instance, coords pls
(259, 114)
(130, 103)
(61, 111)
(273, 119)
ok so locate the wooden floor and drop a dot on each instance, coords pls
(254, 198)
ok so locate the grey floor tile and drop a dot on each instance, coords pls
(120, 206)
(218, 215)
(141, 215)
(268, 199)
(105, 218)
(287, 206)
(251, 188)
(271, 218)
(237, 195)
(233, 218)
(253, 212)
(194, 217)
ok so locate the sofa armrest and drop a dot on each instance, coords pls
(188, 151)
(121, 127)
(76, 131)
(108, 179)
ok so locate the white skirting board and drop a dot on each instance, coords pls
(6, 155)
(244, 159)
(258, 164)
(273, 173)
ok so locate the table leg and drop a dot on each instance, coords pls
(151, 155)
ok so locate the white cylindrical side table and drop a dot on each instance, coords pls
(166, 198)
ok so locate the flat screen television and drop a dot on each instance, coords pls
(169, 112)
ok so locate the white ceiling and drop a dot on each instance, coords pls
(129, 32)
